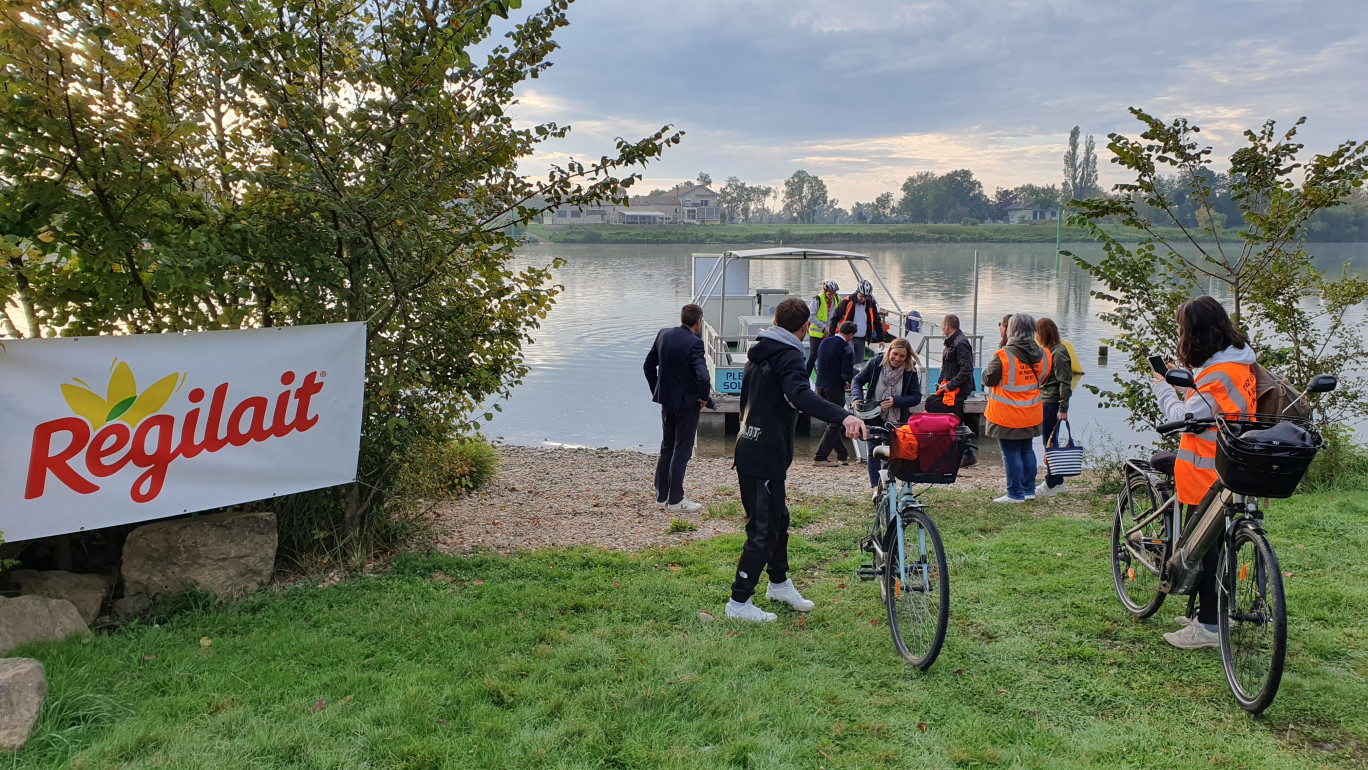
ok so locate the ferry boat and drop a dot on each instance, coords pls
(735, 312)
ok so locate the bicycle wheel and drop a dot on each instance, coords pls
(1139, 546)
(917, 592)
(1253, 620)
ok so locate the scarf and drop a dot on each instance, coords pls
(889, 384)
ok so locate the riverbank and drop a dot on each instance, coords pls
(584, 657)
(545, 498)
(760, 234)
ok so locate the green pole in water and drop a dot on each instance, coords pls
(1059, 236)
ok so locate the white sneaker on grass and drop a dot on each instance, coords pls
(1193, 637)
(1031, 496)
(785, 592)
(1050, 491)
(1184, 620)
(1007, 499)
(748, 611)
(684, 505)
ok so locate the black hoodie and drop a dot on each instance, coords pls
(773, 388)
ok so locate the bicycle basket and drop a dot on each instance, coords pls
(937, 456)
(1264, 455)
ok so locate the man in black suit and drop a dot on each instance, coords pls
(677, 372)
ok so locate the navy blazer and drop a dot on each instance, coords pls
(677, 371)
(835, 363)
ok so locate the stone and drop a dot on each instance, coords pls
(22, 691)
(131, 607)
(27, 619)
(87, 592)
(226, 554)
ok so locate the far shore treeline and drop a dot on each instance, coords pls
(953, 207)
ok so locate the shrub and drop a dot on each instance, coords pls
(677, 525)
(970, 222)
(593, 236)
(440, 470)
(5, 564)
(1341, 463)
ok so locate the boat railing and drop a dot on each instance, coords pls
(925, 348)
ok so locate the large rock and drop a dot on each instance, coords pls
(227, 554)
(87, 592)
(27, 619)
(22, 690)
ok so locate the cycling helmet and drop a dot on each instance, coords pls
(866, 410)
(831, 286)
(866, 288)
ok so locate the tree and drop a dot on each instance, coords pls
(1080, 170)
(1299, 317)
(950, 197)
(195, 165)
(917, 193)
(805, 197)
(739, 201)
(705, 179)
(1049, 195)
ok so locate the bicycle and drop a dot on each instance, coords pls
(908, 557)
(1157, 550)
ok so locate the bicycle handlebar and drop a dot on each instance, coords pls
(1186, 424)
(1170, 427)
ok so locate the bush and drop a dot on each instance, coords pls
(593, 236)
(970, 222)
(679, 525)
(433, 470)
(5, 564)
(1341, 463)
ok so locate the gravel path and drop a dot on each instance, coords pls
(557, 497)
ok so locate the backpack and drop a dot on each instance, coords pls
(1275, 393)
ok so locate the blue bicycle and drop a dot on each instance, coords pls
(908, 558)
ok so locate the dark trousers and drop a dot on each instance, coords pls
(833, 438)
(813, 344)
(767, 535)
(1206, 583)
(935, 405)
(1051, 420)
(859, 347)
(680, 428)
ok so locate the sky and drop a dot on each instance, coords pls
(864, 93)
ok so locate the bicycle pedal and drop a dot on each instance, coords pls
(867, 544)
(866, 572)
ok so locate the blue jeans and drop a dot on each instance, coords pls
(874, 464)
(1018, 457)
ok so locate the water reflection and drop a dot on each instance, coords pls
(586, 385)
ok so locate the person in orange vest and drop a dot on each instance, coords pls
(1221, 360)
(1014, 413)
(861, 310)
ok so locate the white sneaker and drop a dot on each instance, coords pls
(748, 611)
(1193, 637)
(1184, 620)
(684, 505)
(1049, 491)
(1007, 499)
(1031, 496)
(786, 593)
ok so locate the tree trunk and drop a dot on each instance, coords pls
(351, 519)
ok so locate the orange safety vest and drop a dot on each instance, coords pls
(1232, 388)
(1015, 401)
(850, 313)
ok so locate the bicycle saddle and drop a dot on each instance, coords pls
(1163, 462)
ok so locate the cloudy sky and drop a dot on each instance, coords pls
(865, 92)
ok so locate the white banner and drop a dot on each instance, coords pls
(98, 431)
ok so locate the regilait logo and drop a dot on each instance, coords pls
(127, 427)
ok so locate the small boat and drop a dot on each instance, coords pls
(734, 313)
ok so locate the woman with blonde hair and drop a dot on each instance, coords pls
(890, 380)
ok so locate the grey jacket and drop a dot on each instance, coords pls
(1029, 352)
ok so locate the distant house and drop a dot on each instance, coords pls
(1031, 211)
(690, 204)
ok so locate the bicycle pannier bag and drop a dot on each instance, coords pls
(1064, 459)
(936, 457)
(1275, 393)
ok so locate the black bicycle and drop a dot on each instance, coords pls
(908, 559)
(1156, 550)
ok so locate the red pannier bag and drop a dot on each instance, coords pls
(926, 450)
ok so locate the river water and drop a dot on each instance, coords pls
(586, 385)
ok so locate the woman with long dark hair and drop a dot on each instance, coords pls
(1055, 393)
(1221, 360)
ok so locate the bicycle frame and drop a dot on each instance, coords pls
(899, 496)
(1179, 571)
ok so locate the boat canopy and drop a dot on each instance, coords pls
(782, 252)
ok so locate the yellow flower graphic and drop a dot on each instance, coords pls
(121, 400)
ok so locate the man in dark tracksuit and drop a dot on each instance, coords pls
(835, 370)
(773, 388)
(677, 372)
(956, 378)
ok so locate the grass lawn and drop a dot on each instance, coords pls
(586, 658)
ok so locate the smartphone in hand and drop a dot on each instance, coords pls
(1158, 365)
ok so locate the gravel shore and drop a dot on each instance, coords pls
(558, 497)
